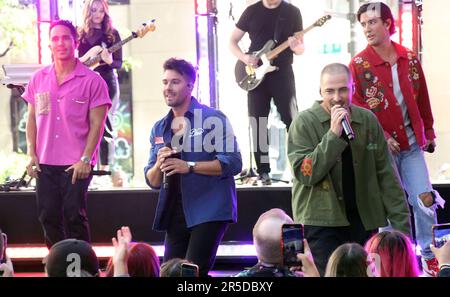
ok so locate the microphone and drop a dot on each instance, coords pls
(166, 178)
(347, 128)
(101, 172)
(165, 181)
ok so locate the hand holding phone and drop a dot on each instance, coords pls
(3, 245)
(189, 270)
(441, 234)
(292, 243)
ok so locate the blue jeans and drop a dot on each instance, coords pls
(414, 175)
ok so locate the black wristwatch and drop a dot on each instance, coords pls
(191, 166)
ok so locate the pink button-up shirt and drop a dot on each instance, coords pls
(62, 112)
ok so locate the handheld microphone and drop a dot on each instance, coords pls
(166, 178)
(430, 148)
(101, 172)
(347, 128)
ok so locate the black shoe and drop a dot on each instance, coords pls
(265, 179)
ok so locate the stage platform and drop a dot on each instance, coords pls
(135, 207)
(110, 209)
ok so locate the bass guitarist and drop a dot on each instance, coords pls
(97, 29)
(269, 20)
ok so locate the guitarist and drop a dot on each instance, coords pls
(97, 29)
(263, 21)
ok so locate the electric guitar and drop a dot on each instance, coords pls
(92, 57)
(249, 77)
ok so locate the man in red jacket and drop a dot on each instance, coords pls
(390, 82)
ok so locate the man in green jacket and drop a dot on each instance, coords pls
(345, 187)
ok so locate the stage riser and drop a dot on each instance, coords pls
(108, 210)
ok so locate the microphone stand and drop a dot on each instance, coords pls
(247, 174)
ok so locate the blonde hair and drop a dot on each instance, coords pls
(86, 31)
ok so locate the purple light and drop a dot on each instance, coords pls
(203, 91)
(39, 252)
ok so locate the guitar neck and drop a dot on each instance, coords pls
(118, 45)
(94, 60)
(276, 51)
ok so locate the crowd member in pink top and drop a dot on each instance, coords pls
(67, 107)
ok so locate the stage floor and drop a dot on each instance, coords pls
(110, 209)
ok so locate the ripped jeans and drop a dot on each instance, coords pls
(415, 178)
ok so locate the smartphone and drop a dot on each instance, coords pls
(441, 234)
(189, 270)
(3, 246)
(292, 243)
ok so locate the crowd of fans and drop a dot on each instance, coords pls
(386, 254)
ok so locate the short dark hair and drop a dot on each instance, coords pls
(67, 24)
(181, 66)
(381, 10)
(335, 68)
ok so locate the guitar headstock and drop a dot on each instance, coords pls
(322, 20)
(146, 27)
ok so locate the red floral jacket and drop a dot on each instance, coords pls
(374, 90)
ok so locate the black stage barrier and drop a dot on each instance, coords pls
(108, 210)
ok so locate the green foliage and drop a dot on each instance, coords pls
(128, 64)
(12, 165)
(17, 25)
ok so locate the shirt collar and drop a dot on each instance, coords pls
(376, 59)
(79, 70)
(190, 112)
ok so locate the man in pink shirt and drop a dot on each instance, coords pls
(67, 106)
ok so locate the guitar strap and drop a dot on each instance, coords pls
(281, 20)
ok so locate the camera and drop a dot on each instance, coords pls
(189, 270)
(292, 243)
(441, 234)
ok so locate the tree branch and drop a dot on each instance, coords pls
(10, 46)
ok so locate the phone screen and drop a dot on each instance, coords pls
(441, 234)
(189, 270)
(3, 245)
(292, 243)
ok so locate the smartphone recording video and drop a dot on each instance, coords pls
(3, 245)
(441, 234)
(189, 270)
(292, 243)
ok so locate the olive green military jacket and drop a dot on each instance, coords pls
(315, 156)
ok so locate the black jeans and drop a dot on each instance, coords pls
(279, 85)
(61, 205)
(324, 240)
(198, 244)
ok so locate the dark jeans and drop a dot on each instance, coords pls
(61, 205)
(324, 240)
(279, 85)
(198, 244)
